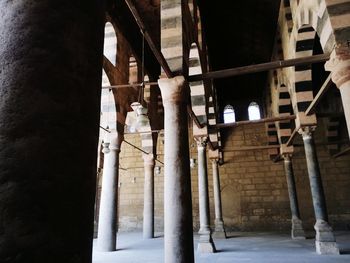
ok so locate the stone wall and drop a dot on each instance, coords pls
(254, 190)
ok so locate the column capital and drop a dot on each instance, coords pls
(287, 157)
(114, 141)
(214, 160)
(201, 141)
(148, 159)
(339, 65)
(105, 147)
(307, 132)
(173, 90)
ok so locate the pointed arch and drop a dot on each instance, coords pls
(110, 43)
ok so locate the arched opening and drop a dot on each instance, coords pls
(110, 44)
(229, 114)
(254, 111)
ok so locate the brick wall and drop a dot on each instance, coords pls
(254, 190)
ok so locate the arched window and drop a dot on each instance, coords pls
(229, 114)
(254, 111)
(110, 43)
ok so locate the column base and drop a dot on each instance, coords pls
(297, 229)
(325, 240)
(206, 244)
(327, 248)
(219, 229)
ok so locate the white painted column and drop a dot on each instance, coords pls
(205, 244)
(107, 224)
(219, 222)
(178, 229)
(148, 200)
(339, 65)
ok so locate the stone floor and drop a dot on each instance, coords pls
(239, 247)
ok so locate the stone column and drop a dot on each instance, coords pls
(297, 226)
(148, 200)
(339, 65)
(107, 223)
(325, 240)
(50, 79)
(219, 222)
(205, 244)
(178, 229)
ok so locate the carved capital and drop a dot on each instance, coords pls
(173, 90)
(307, 132)
(148, 159)
(287, 157)
(105, 149)
(201, 141)
(339, 65)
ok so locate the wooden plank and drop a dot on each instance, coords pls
(252, 148)
(159, 56)
(266, 120)
(194, 117)
(346, 150)
(291, 138)
(135, 85)
(260, 67)
(326, 85)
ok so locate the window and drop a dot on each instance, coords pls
(254, 111)
(229, 114)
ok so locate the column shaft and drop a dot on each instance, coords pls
(325, 240)
(219, 222)
(148, 205)
(50, 78)
(206, 243)
(178, 231)
(293, 199)
(297, 228)
(317, 192)
(107, 224)
(203, 191)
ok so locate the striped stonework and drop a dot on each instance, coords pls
(172, 33)
(332, 128)
(198, 97)
(108, 107)
(272, 139)
(133, 71)
(288, 15)
(303, 93)
(284, 128)
(213, 132)
(315, 14)
(339, 16)
(147, 140)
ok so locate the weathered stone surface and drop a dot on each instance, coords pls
(50, 77)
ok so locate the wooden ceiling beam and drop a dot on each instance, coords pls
(259, 67)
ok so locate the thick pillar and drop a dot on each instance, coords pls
(205, 244)
(148, 200)
(50, 85)
(339, 65)
(219, 222)
(107, 223)
(325, 240)
(297, 226)
(178, 230)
